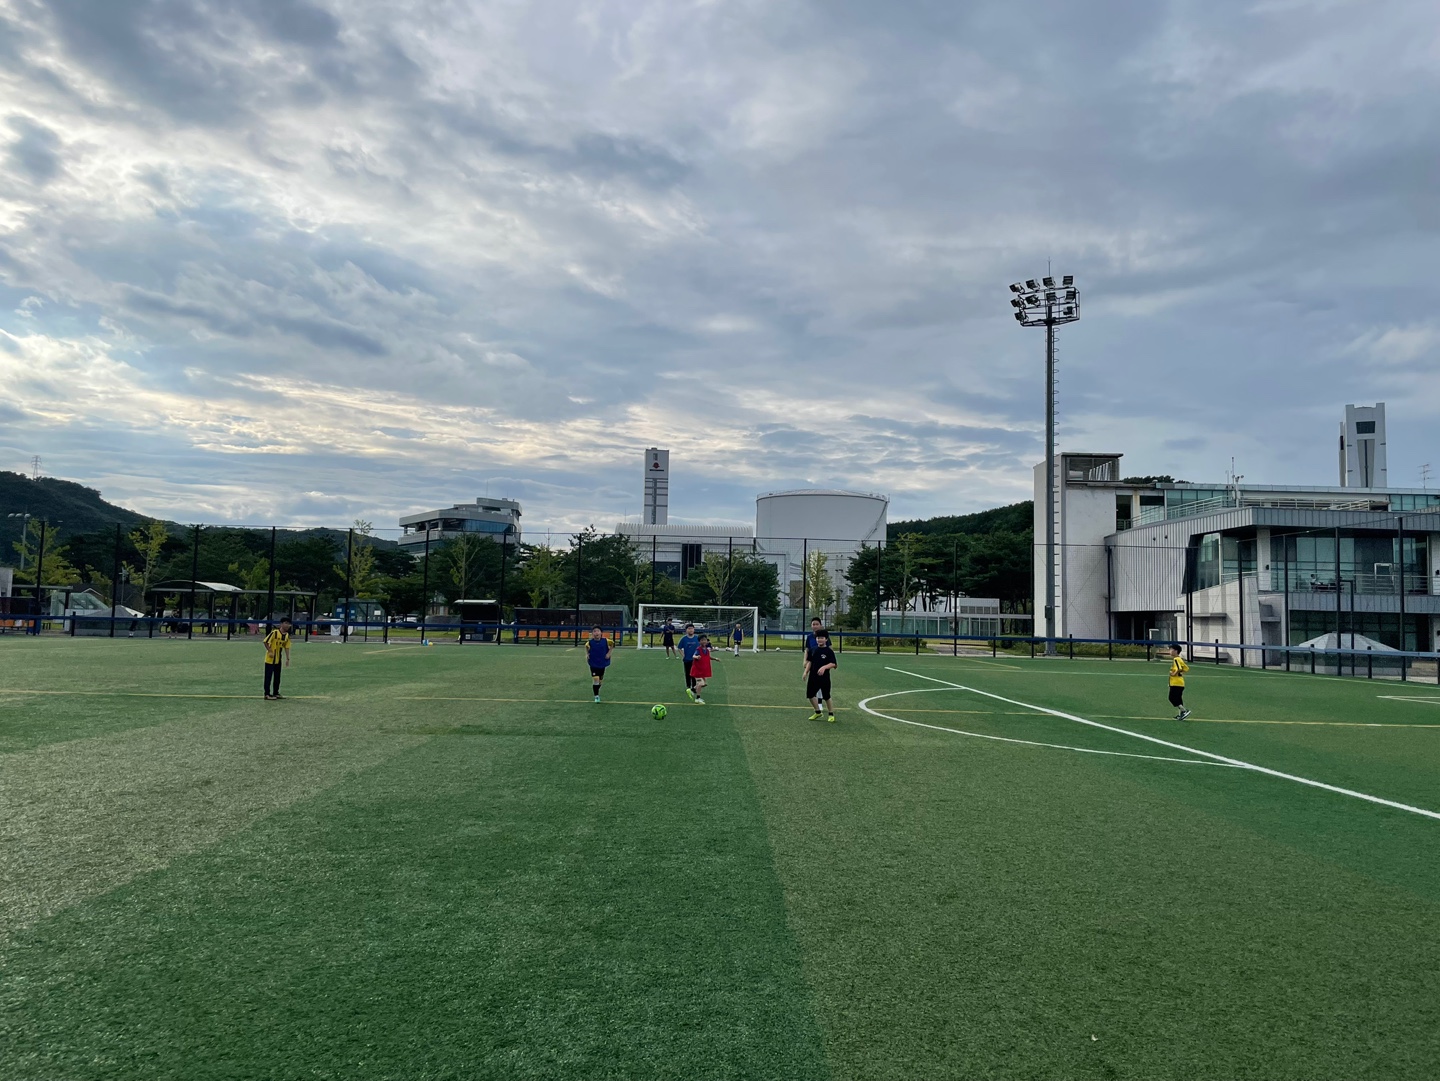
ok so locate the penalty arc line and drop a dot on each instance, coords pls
(865, 705)
(1188, 750)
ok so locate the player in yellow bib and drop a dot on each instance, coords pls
(277, 645)
(1178, 668)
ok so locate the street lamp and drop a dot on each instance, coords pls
(1045, 304)
(24, 517)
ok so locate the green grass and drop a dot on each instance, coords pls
(448, 862)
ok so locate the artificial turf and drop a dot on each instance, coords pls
(448, 862)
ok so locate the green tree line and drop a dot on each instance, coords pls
(591, 569)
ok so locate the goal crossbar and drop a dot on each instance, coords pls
(716, 620)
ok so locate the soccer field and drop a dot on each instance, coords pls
(449, 862)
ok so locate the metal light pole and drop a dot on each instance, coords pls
(1044, 304)
(24, 517)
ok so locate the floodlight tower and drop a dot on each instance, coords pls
(1044, 304)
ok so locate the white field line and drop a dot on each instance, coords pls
(865, 705)
(1181, 747)
(1403, 698)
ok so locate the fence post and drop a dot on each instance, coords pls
(994, 645)
(1217, 651)
(917, 643)
(194, 573)
(1369, 662)
(500, 601)
(39, 572)
(1072, 647)
(579, 564)
(1110, 649)
(425, 586)
(349, 570)
(1032, 643)
(1312, 660)
(879, 571)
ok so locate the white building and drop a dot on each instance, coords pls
(1243, 563)
(1362, 447)
(679, 549)
(498, 519)
(790, 526)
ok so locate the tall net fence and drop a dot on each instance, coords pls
(1361, 597)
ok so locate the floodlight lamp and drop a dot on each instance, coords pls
(1015, 287)
(1050, 295)
(1069, 311)
(1068, 280)
(1070, 294)
(1032, 299)
(1031, 284)
(1019, 317)
(1049, 282)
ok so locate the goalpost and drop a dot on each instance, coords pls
(716, 620)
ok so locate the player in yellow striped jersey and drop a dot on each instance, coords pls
(277, 645)
(1178, 668)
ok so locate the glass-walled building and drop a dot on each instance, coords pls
(497, 519)
(1150, 557)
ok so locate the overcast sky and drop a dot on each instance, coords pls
(302, 261)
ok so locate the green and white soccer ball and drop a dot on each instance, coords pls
(658, 712)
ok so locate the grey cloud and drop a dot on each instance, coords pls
(1241, 193)
(35, 150)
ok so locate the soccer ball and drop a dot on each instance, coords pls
(658, 712)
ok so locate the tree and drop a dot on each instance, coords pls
(908, 553)
(542, 575)
(716, 570)
(257, 577)
(752, 582)
(56, 569)
(309, 563)
(359, 569)
(465, 556)
(819, 585)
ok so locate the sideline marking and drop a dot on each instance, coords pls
(1404, 698)
(1181, 747)
(1193, 720)
(146, 694)
(865, 705)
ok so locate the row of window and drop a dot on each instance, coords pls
(1308, 558)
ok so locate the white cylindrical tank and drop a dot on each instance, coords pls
(821, 514)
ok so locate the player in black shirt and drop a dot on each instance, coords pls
(819, 663)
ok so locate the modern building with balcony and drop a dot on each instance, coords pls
(497, 519)
(1238, 563)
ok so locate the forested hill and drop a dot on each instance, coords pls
(70, 508)
(1016, 518)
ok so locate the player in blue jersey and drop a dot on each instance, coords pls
(597, 651)
(689, 644)
(812, 641)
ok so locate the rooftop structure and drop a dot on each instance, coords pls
(498, 519)
(1362, 447)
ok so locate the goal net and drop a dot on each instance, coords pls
(716, 620)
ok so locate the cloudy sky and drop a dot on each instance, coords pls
(300, 261)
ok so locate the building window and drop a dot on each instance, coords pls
(1364, 427)
(690, 557)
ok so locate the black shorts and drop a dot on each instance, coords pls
(597, 673)
(818, 685)
(668, 641)
(1177, 696)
